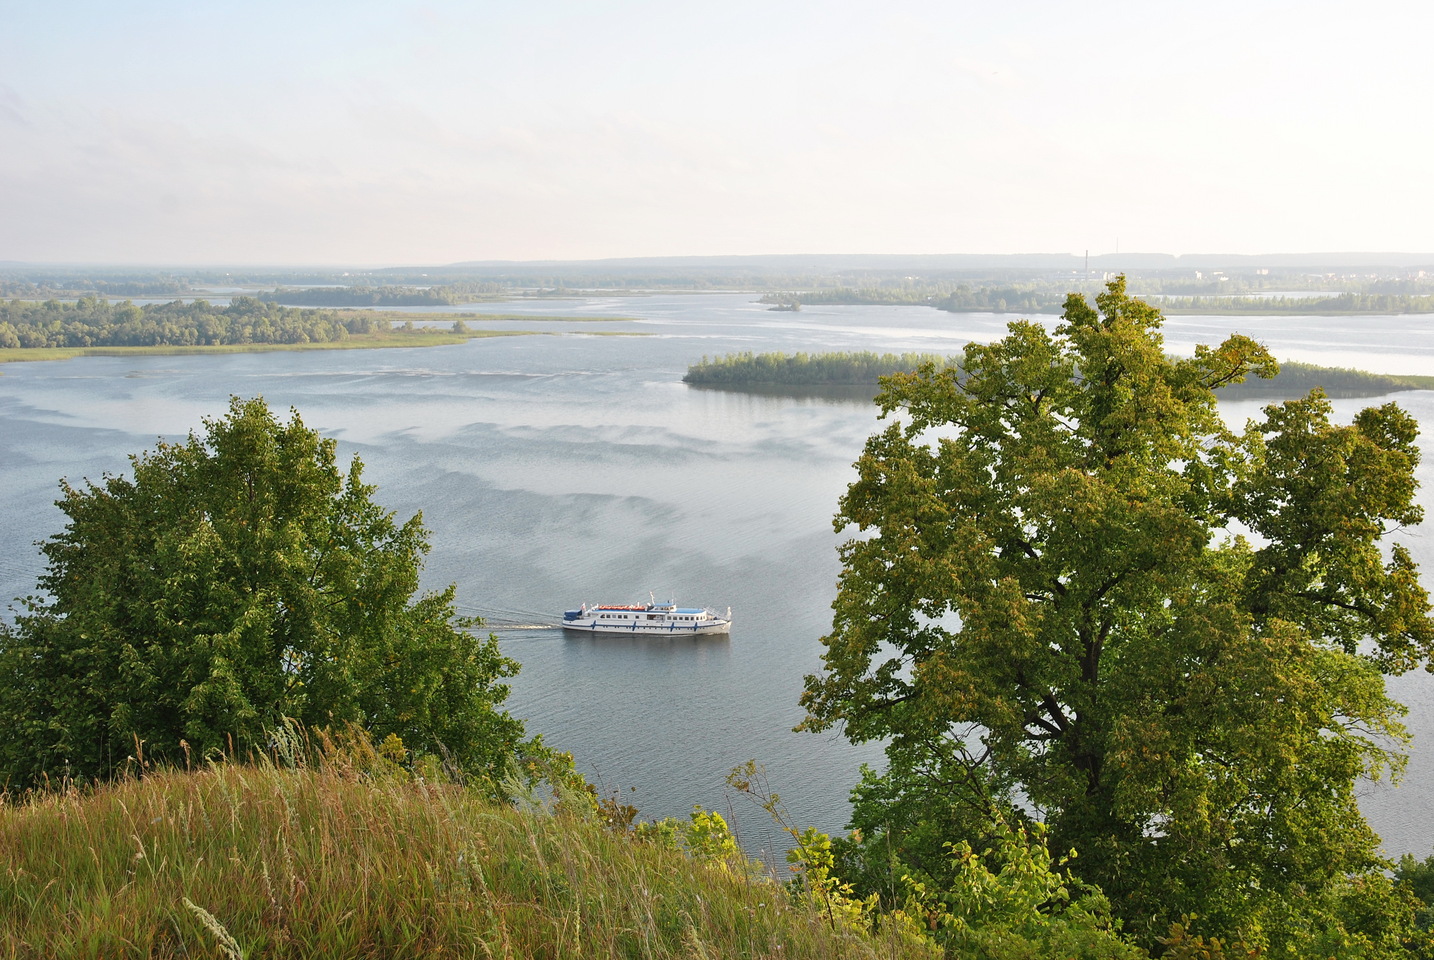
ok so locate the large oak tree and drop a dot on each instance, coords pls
(1075, 595)
(234, 582)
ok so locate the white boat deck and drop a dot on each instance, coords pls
(646, 618)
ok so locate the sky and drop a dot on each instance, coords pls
(392, 133)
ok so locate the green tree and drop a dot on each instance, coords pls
(1015, 900)
(238, 579)
(1077, 597)
(1417, 877)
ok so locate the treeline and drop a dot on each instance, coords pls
(46, 288)
(882, 295)
(1298, 379)
(960, 298)
(92, 322)
(1034, 298)
(385, 296)
(1338, 304)
(822, 369)
(808, 369)
(1017, 298)
(359, 297)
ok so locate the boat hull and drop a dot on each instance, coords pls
(649, 629)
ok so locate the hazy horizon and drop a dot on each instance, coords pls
(1131, 262)
(435, 133)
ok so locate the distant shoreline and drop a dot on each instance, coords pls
(421, 337)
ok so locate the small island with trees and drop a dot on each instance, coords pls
(804, 371)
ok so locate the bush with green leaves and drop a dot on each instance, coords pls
(234, 582)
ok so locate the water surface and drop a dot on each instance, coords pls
(554, 470)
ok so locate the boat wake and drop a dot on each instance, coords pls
(501, 620)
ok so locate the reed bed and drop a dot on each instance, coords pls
(266, 861)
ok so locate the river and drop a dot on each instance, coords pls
(554, 470)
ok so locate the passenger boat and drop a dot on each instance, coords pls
(646, 618)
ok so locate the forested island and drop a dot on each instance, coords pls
(845, 369)
(805, 369)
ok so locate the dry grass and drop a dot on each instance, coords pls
(261, 861)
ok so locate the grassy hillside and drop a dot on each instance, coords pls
(337, 862)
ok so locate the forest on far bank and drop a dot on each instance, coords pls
(1033, 297)
(1334, 284)
(93, 322)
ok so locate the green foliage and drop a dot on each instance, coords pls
(817, 884)
(1022, 298)
(1014, 901)
(377, 296)
(1298, 379)
(709, 838)
(1180, 944)
(1050, 607)
(903, 818)
(1416, 877)
(92, 322)
(238, 580)
(1033, 297)
(953, 297)
(1342, 303)
(1011, 901)
(387, 295)
(704, 836)
(806, 368)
